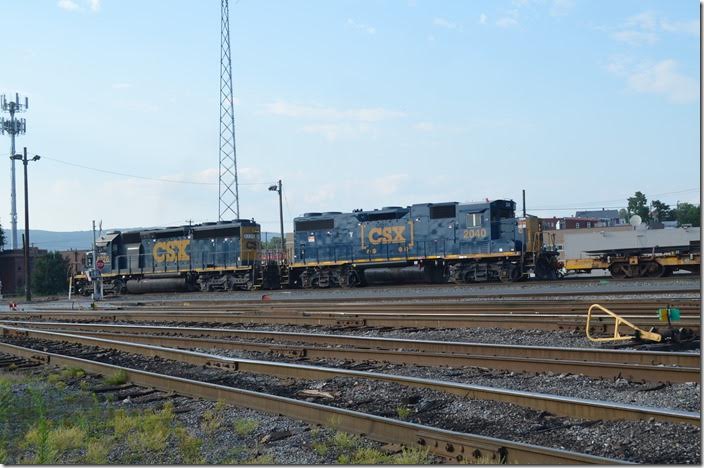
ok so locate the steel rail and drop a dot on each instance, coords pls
(453, 445)
(425, 307)
(654, 358)
(510, 363)
(510, 321)
(466, 293)
(559, 405)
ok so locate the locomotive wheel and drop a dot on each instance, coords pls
(619, 270)
(655, 270)
(509, 274)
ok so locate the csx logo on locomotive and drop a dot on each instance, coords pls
(171, 251)
(387, 235)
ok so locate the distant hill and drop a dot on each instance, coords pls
(71, 240)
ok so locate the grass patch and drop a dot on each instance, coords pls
(118, 378)
(320, 448)
(345, 441)
(246, 426)
(403, 412)
(189, 447)
(412, 456)
(265, 459)
(211, 421)
(96, 453)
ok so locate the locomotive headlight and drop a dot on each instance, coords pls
(501, 249)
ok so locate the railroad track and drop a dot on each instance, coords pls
(356, 320)
(453, 445)
(437, 305)
(632, 365)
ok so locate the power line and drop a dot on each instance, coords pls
(122, 174)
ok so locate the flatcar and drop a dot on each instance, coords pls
(460, 242)
(210, 256)
(650, 262)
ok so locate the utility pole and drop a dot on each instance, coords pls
(23, 157)
(13, 127)
(277, 188)
(524, 203)
(228, 186)
(97, 283)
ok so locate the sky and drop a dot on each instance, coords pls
(352, 104)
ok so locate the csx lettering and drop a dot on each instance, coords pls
(171, 251)
(474, 233)
(387, 235)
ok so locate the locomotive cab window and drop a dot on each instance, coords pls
(475, 219)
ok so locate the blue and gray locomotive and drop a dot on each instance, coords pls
(459, 242)
(210, 256)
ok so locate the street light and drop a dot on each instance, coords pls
(25, 161)
(277, 188)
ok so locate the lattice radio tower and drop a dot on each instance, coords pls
(228, 189)
(13, 127)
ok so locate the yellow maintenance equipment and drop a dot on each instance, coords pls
(618, 321)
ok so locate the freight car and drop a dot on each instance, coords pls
(650, 262)
(460, 242)
(209, 256)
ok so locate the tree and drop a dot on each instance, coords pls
(49, 274)
(661, 211)
(638, 205)
(686, 213)
(2, 238)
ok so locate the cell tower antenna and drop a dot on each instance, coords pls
(228, 186)
(13, 127)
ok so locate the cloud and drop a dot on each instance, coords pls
(506, 22)
(635, 38)
(68, 5)
(663, 78)
(645, 27)
(443, 23)
(561, 7)
(72, 5)
(121, 86)
(645, 20)
(361, 27)
(687, 27)
(482, 18)
(369, 114)
(424, 126)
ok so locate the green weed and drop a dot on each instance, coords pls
(412, 456)
(118, 378)
(190, 447)
(97, 452)
(260, 460)
(345, 441)
(246, 426)
(403, 412)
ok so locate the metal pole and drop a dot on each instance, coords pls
(281, 221)
(13, 189)
(524, 203)
(28, 291)
(95, 283)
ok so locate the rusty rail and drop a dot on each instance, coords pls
(565, 406)
(455, 446)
